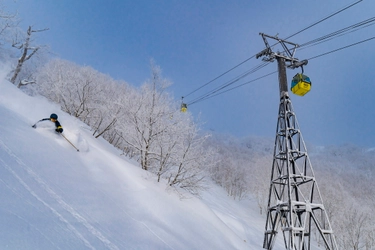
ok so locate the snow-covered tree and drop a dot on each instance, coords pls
(69, 85)
(106, 111)
(261, 180)
(27, 50)
(234, 170)
(191, 159)
(147, 117)
(8, 24)
(83, 92)
(354, 229)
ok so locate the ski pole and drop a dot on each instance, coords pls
(69, 142)
(34, 126)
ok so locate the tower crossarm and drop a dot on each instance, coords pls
(288, 53)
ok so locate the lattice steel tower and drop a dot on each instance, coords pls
(295, 205)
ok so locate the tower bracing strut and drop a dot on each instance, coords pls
(295, 205)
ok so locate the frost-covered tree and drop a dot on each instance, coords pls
(191, 159)
(27, 50)
(71, 86)
(345, 179)
(85, 93)
(147, 117)
(168, 143)
(163, 140)
(105, 114)
(260, 180)
(354, 230)
(8, 25)
(234, 170)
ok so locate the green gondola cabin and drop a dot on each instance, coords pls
(301, 84)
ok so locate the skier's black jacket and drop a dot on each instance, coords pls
(59, 128)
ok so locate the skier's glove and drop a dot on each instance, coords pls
(59, 130)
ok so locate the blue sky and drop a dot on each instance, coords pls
(196, 41)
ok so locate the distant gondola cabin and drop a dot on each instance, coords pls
(183, 107)
(301, 84)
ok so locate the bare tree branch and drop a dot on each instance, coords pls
(27, 52)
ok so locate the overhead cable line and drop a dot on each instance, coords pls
(352, 28)
(308, 27)
(220, 76)
(261, 77)
(236, 79)
(325, 18)
(321, 20)
(341, 32)
(345, 47)
(216, 92)
(256, 79)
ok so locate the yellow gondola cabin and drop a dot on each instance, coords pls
(301, 84)
(183, 107)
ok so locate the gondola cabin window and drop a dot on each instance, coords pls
(301, 84)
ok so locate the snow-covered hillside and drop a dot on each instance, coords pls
(53, 197)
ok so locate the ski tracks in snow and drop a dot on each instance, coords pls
(58, 199)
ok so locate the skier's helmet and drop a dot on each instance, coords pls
(53, 116)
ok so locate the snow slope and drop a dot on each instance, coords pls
(53, 197)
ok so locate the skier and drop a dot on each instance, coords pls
(59, 129)
(52, 118)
